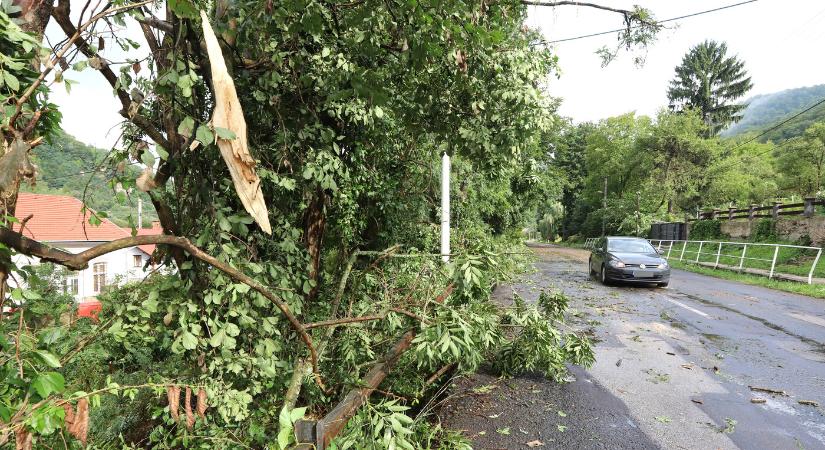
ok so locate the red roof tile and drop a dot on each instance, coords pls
(60, 218)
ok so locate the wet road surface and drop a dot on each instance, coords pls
(675, 368)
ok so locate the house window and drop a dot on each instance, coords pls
(99, 276)
(70, 285)
(137, 261)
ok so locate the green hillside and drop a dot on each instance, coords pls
(764, 111)
(67, 166)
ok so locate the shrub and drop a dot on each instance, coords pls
(764, 231)
(706, 229)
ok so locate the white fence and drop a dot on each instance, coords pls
(590, 242)
(688, 251)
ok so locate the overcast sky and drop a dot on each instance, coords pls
(781, 42)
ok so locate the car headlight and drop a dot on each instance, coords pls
(662, 265)
(618, 264)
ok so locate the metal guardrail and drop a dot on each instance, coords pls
(668, 246)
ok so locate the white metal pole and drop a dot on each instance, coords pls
(773, 263)
(811, 273)
(742, 259)
(445, 207)
(140, 213)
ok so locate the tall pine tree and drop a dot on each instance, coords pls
(710, 81)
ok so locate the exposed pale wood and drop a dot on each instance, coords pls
(228, 114)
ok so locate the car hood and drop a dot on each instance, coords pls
(638, 258)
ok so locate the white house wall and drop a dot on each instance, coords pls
(119, 266)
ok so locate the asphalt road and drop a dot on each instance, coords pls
(675, 368)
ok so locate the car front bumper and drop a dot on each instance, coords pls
(637, 275)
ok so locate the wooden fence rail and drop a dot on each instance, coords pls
(807, 209)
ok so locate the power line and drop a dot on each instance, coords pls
(601, 33)
(773, 128)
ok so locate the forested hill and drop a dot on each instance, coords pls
(763, 111)
(67, 166)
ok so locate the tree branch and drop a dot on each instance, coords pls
(61, 16)
(81, 260)
(628, 14)
(154, 22)
(572, 3)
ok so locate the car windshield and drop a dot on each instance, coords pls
(629, 246)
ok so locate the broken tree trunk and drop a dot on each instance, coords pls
(229, 115)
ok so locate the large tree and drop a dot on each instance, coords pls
(345, 109)
(710, 81)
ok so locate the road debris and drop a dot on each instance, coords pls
(768, 390)
(809, 403)
(730, 425)
(697, 401)
(758, 400)
(535, 443)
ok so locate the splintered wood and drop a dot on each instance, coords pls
(228, 114)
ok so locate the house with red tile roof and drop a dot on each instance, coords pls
(61, 221)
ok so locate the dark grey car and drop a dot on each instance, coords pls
(628, 259)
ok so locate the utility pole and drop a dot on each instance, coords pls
(604, 209)
(445, 207)
(140, 213)
(638, 212)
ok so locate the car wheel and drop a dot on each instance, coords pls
(603, 275)
(664, 285)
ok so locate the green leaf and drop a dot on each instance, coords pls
(189, 341)
(11, 81)
(379, 112)
(217, 339)
(284, 420)
(47, 383)
(183, 8)
(186, 126)
(225, 133)
(297, 413)
(204, 135)
(48, 358)
(31, 295)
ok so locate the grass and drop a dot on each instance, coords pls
(811, 290)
